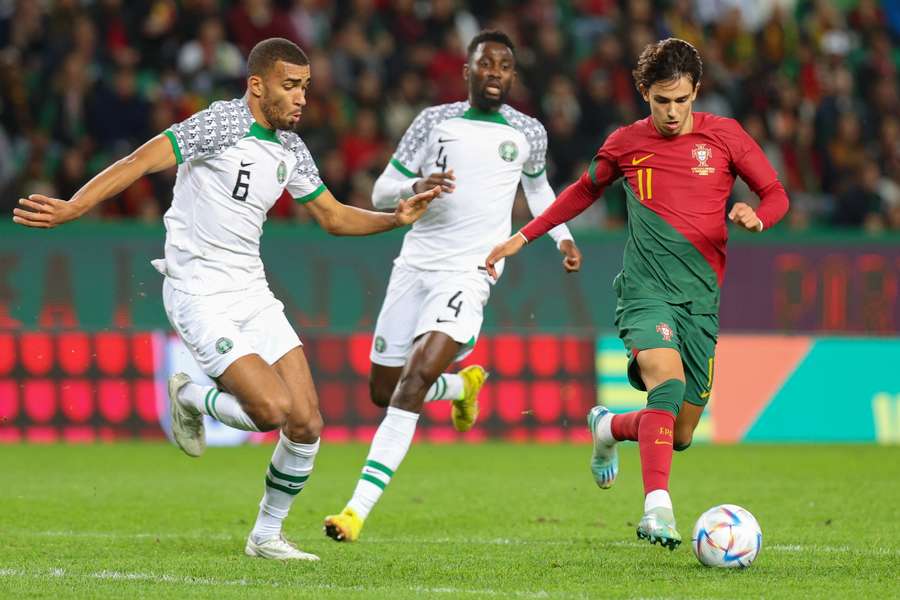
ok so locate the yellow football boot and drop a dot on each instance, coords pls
(465, 410)
(344, 527)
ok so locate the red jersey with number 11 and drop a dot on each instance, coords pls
(677, 189)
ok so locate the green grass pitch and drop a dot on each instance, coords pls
(482, 521)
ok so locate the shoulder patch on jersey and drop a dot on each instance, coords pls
(306, 166)
(535, 135)
(417, 133)
(212, 130)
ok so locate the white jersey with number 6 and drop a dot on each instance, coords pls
(231, 171)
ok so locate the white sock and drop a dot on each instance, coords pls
(389, 446)
(292, 462)
(448, 386)
(222, 407)
(604, 430)
(657, 499)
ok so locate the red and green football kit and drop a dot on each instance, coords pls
(677, 189)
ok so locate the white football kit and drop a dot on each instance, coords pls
(438, 282)
(231, 170)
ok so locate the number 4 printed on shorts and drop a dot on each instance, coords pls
(456, 307)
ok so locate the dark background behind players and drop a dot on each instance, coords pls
(815, 83)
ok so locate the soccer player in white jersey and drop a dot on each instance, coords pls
(234, 160)
(478, 151)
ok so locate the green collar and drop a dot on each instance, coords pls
(260, 132)
(481, 115)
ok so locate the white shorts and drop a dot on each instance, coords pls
(221, 328)
(418, 301)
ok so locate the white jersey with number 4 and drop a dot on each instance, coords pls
(231, 171)
(490, 153)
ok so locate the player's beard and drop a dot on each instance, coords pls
(485, 103)
(269, 109)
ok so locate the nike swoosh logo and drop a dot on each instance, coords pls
(247, 164)
(636, 161)
(439, 320)
(443, 141)
(704, 395)
(662, 443)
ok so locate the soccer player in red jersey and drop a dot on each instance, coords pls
(679, 167)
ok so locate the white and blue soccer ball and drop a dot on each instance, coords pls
(726, 536)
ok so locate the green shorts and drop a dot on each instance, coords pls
(646, 323)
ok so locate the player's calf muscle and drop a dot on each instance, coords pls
(683, 438)
(410, 392)
(382, 383)
(380, 393)
(305, 428)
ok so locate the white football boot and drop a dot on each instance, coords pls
(276, 548)
(187, 425)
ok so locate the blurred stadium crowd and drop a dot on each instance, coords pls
(814, 81)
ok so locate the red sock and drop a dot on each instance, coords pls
(655, 438)
(625, 426)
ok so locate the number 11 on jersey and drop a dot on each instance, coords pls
(648, 187)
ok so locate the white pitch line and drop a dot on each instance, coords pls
(798, 548)
(813, 548)
(832, 549)
(128, 536)
(107, 575)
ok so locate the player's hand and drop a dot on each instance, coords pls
(445, 180)
(409, 210)
(572, 260)
(501, 251)
(44, 212)
(743, 214)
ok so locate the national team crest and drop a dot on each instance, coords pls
(702, 153)
(224, 345)
(281, 173)
(509, 151)
(665, 331)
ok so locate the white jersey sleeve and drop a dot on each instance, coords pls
(210, 131)
(536, 163)
(409, 158)
(538, 192)
(304, 183)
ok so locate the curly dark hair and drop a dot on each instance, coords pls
(667, 60)
(489, 35)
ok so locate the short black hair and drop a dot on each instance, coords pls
(667, 60)
(489, 35)
(269, 51)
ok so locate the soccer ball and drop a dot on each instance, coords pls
(726, 536)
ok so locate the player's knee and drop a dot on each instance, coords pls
(272, 414)
(305, 431)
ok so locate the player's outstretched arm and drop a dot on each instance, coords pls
(45, 212)
(393, 185)
(340, 219)
(501, 251)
